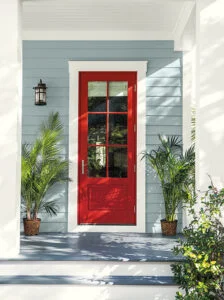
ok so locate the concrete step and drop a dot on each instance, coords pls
(90, 267)
(96, 280)
(86, 292)
(86, 280)
(84, 268)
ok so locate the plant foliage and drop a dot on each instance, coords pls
(201, 275)
(42, 167)
(175, 171)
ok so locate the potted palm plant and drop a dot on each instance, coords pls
(42, 167)
(175, 171)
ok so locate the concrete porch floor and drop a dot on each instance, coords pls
(138, 247)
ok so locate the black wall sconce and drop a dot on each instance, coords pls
(40, 93)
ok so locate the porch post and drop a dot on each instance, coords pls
(210, 93)
(188, 104)
(10, 125)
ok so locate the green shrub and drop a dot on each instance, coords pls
(201, 275)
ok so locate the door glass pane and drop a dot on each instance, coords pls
(97, 95)
(97, 129)
(118, 96)
(117, 162)
(118, 129)
(97, 161)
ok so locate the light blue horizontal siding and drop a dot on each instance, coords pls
(99, 45)
(99, 53)
(166, 130)
(164, 91)
(163, 101)
(34, 120)
(164, 72)
(56, 91)
(32, 81)
(164, 82)
(29, 139)
(163, 111)
(163, 120)
(54, 63)
(44, 111)
(48, 60)
(168, 62)
(154, 140)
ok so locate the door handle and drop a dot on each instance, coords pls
(83, 166)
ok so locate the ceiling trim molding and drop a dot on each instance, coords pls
(181, 24)
(33, 2)
(95, 35)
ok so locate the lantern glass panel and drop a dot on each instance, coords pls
(42, 98)
(40, 94)
(37, 96)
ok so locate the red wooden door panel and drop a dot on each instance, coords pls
(107, 148)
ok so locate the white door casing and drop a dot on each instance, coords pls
(126, 66)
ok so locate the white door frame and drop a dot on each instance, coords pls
(84, 66)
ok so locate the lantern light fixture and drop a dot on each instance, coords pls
(40, 93)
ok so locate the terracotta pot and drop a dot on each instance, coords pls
(31, 227)
(169, 228)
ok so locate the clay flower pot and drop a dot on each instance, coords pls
(169, 228)
(31, 227)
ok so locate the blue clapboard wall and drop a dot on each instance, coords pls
(48, 60)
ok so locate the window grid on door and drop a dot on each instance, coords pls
(104, 113)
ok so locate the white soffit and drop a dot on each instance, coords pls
(102, 19)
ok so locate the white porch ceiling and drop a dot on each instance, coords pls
(158, 19)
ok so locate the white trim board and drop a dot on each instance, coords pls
(80, 66)
(94, 35)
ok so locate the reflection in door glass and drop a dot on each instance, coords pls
(97, 95)
(118, 162)
(97, 161)
(97, 129)
(118, 96)
(118, 129)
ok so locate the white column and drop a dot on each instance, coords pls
(188, 104)
(188, 95)
(187, 45)
(210, 92)
(10, 125)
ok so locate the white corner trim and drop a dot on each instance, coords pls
(80, 66)
(181, 24)
(188, 99)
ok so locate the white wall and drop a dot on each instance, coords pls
(10, 129)
(210, 92)
(203, 85)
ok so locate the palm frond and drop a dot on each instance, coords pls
(43, 166)
(175, 171)
(53, 124)
(50, 207)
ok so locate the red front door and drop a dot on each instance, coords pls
(107, 148)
